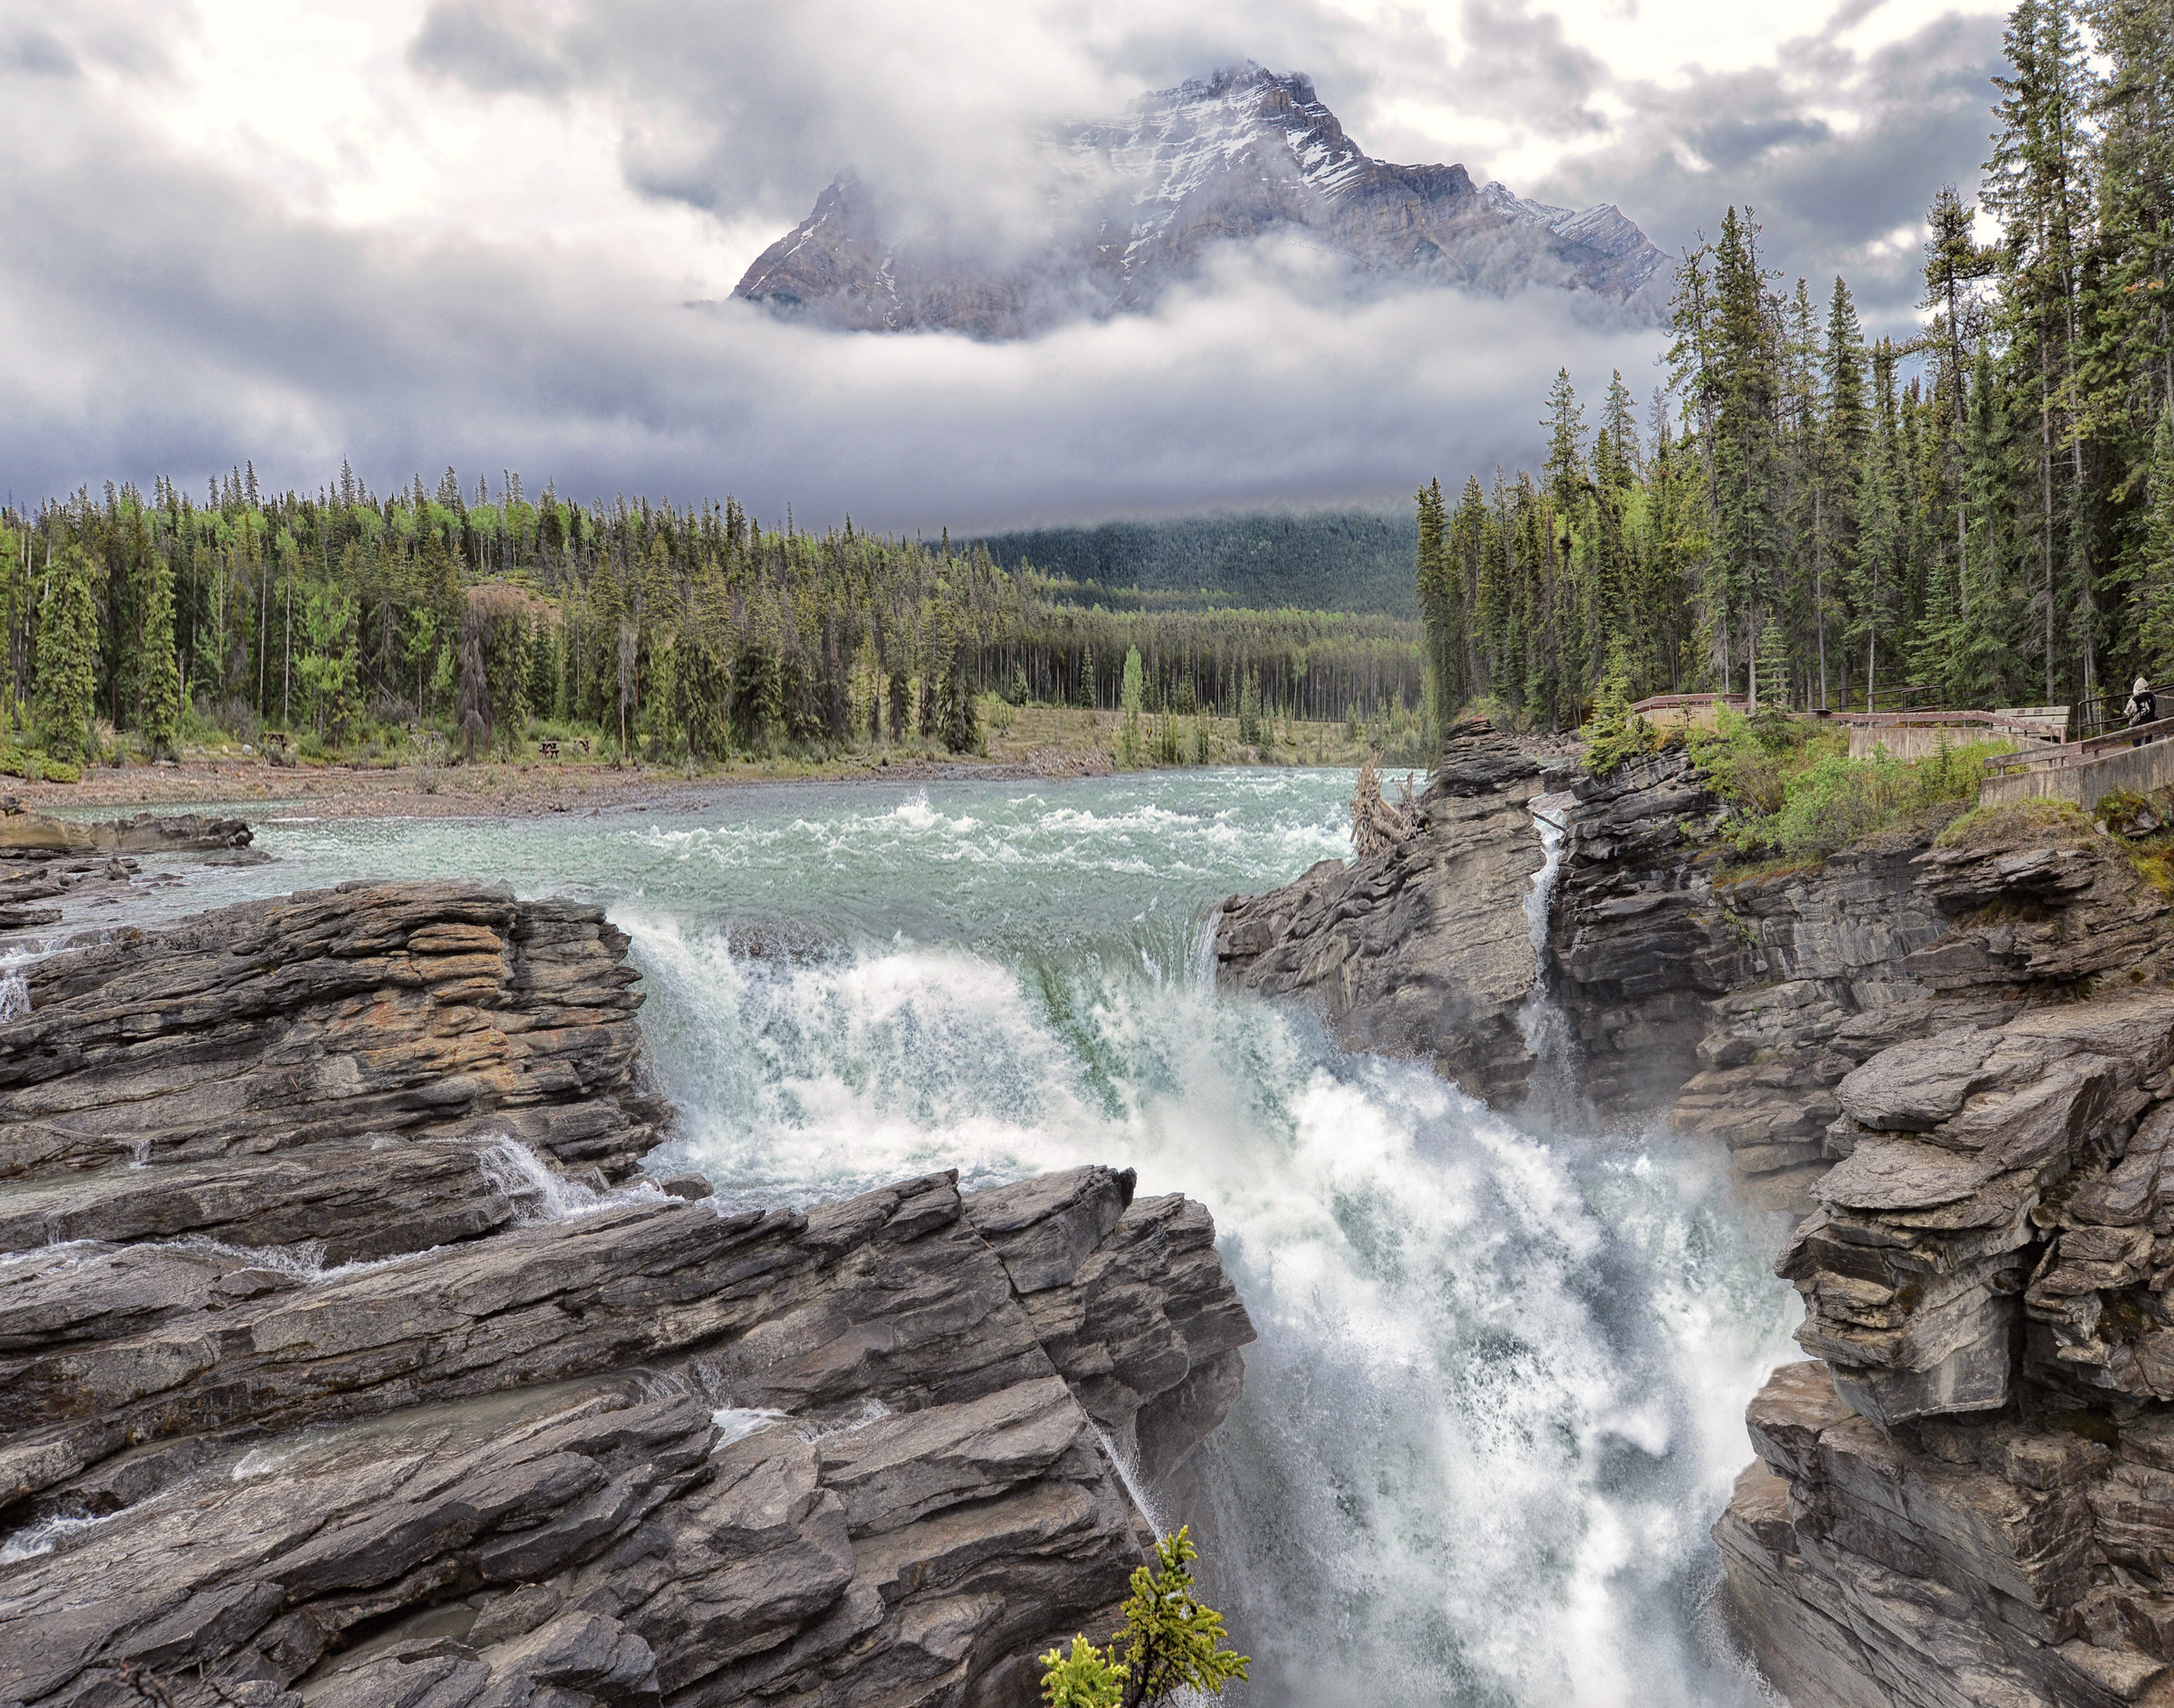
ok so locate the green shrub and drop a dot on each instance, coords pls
(1168, 1643)
(1834, 801)
(1800, 798)
(1749, 766)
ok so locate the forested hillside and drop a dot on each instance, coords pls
(1335, 559)
(357, 621)
(1986, 511)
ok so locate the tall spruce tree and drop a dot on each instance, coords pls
(67, 660)
(159, 716)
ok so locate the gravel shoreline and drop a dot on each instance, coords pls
(517, 790)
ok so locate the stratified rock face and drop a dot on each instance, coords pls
(2015, 1560)
(395, 1011)
(1424, 949)
(1243, 154)
(1968, 1500)
(1955, 1053)
(1930, 1228)
(407, 1414)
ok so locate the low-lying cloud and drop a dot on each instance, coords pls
(165, 315)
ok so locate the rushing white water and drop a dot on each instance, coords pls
(43, 1538)
(518, 1172)
(1497, 1396)
(1546, 1032)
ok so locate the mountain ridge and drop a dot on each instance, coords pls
(1246, 153)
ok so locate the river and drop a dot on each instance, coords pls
(1498, 1393)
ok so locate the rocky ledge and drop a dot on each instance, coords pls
(43, 860)
(345, 1360)
(1424, 949)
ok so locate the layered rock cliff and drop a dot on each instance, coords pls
(336, 1369)
(1139, 202)
(1950, 1049)
(1425, 949)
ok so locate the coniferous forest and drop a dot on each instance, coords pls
(1980, 516)
(1344, 559)
(352, 622)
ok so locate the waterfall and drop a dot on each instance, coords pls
(1498, 1395)
(1552, 1090)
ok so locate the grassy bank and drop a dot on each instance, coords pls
(1796, 797)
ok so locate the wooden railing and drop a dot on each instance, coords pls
(2077, 753)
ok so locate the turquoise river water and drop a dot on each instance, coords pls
(1499, 1394)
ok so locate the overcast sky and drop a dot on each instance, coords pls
(467, 233)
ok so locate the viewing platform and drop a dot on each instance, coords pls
(1904, 734)
(2043, 762)
(1914, 735)
(2084, 773)
(1687, 712)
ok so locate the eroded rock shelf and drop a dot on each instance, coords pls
(346, 1359)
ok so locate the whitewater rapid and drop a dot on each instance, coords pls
(1498, 1393)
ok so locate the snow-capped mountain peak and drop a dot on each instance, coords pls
(1246, 153)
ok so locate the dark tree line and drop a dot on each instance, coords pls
(1985, 512)
(345, 614)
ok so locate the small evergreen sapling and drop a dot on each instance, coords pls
(1130, 694)
(1615, 733)
(1085, 1678)
(1168, 1643)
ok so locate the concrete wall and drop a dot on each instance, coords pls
(1682, 719)
(2140, 770)
(2049, 721)
(1914, 742)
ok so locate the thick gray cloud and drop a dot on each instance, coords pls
(165, 313)
(1528, 65)
(1829, 197)
(487, 52)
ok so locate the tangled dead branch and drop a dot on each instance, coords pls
(1378, 824)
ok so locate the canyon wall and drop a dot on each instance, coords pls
(346, 1358)
(1949, 1052)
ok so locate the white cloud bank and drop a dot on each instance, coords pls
(466, 235)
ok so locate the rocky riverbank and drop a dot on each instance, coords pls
(348, 1357)
(1949, 1052)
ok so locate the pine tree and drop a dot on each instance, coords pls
(1774, 668)
(2154, 583)
(1747, 388)
(1441, 606)
(1128, 700)
(2038, 183)
(1883, 551)
(1249, 709)
(961, 719)
(67, 664)
(160, 712)
(1168, 1643)
(1954, 262)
